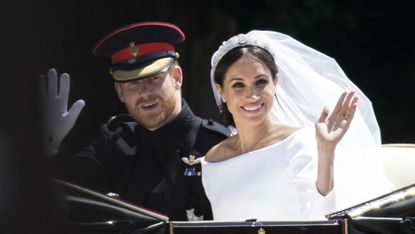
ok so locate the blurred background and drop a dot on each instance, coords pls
(372, 40)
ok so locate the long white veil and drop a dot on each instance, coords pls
(308, 81)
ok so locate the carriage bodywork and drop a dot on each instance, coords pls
(87, 211)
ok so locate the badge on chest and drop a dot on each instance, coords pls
(192, 167)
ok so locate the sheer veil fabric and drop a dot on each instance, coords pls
(309, 80)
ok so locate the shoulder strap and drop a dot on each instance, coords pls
(122, 128)
(115, 121)
(210, 134)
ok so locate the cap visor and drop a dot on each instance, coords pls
(149, 70)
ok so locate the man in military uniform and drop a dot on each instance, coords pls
(150, 157)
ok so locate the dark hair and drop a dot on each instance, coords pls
(230, 58)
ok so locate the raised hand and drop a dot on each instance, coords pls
(58, 121)
(330, 128)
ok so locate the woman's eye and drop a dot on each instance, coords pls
(238, 85)
(262, 81)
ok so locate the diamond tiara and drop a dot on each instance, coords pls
(237, 41)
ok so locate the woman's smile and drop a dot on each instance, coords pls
(253, 107)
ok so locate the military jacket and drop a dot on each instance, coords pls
(159, 170)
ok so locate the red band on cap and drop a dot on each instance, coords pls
(140, 50)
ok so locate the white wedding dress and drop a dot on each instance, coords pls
(273, 183)
(277, 183)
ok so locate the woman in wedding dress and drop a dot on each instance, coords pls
(280, 164)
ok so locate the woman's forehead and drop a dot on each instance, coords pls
(247, 66)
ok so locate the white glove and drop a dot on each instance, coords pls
(190, 213)
(54, 92)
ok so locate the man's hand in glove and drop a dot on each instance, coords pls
(58, 121)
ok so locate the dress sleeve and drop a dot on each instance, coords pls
(303, 170)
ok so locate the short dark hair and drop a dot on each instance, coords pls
(230, 58)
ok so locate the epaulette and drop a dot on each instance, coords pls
(116, 120)
(215, 127)
(210, 134)
(122, 130)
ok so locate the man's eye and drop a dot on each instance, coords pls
(154, 78)
(134, 82)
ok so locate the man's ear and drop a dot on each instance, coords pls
(119, 91)
(177, 75)
(219, 89)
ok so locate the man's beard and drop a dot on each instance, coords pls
(156, 119)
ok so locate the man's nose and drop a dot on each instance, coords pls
(146, 87)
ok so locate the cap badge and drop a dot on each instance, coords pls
(191, 160)
(261, 231)
(133, 49)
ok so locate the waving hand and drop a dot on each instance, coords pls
(330, 128)
(58, 121)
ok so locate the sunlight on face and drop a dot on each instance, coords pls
(151, 101)
(248, 90)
